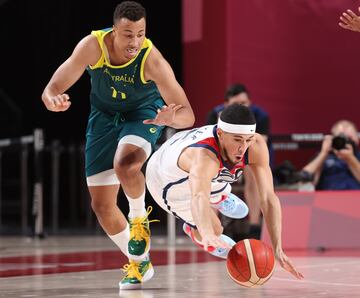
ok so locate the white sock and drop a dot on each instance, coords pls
(136, 206)
(122, 239)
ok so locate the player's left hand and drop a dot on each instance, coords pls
(165, 115)
(350, 21)
(285, 262)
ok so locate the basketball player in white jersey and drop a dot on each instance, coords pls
(193, 169)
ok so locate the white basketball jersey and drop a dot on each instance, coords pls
(169, 185)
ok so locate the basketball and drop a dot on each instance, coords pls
(250, 262)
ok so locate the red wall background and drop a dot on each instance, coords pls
(321, 219)
(294, 58)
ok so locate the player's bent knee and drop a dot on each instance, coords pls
(127, 170)
(141, 143)
(100, 207)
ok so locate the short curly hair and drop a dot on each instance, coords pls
(130, 10)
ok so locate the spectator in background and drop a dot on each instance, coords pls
(238, 93)
(337, 166)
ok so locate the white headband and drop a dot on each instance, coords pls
(245, 129)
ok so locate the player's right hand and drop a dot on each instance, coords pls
(57, 103)
(211, 241)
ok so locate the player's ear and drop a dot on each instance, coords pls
(219, 132)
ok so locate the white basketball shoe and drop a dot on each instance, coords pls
(231, 206)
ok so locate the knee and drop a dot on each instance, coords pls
(128, 161)
(100, 208)
(126, 170)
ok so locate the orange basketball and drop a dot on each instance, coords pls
(250, 262)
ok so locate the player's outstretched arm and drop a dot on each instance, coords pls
(269, 202)
(178, 112)
(350, 21)
(202, 165)
(87, 52)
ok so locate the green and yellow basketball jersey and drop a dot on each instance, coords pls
(121, 89)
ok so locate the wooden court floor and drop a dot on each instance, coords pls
(90, 267)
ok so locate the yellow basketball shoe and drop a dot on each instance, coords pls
(139, 243)
(136, 273)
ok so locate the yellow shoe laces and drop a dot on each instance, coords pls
(139, 229)
(132, 270)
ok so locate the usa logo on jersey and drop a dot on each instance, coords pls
(225, 175)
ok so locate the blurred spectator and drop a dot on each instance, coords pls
(238, 93)
(337, 166)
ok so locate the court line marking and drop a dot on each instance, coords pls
(317, 282)
(329, 264)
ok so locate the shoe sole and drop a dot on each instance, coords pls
(238, 215)
(148, 275)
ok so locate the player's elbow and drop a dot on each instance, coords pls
(43, 96)
(190, 119)
(268, 201)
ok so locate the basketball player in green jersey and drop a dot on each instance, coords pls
(134, 93)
